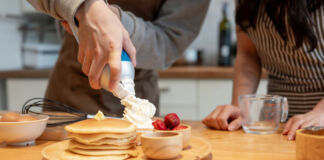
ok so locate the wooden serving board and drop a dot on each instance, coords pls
(198, 149)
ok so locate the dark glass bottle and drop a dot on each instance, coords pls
(224, 46)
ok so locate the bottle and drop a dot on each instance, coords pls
(224, 47)
(126, 84)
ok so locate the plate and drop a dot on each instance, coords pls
(198, 149)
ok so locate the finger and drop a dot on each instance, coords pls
(96, 69)
(66, 26)
(211, 118)
(224, 116)
(88, 56)
(287, 126)
(129, 47)
(292, 131)
(207, 123)
(214, 118)
(235, 125)
(115, 66)
(208, 120)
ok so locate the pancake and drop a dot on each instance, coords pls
(107, 125)
(99, 152)
(97, 137)
(67, 155)
(106, 140)
(74, 144)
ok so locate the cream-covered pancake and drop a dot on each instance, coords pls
(100, 152)
(107, 125)
(96, 137)
(67, 155)
(74, 144)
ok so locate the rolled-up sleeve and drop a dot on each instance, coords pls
(59, 9)
(160, 42)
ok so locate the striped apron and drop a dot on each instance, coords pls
(294, 73)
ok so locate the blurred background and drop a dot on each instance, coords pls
(193, 87)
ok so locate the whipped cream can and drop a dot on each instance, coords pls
(126, 85)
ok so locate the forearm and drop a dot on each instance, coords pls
(247, 69)
(161, 41)
(247, 73)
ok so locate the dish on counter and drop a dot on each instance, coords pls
(100, 138)
(114, 139)
(172, 123)
(17, 129)
(162, 145)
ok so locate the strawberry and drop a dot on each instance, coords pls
(179, 127)
(159, 125)
(171, 120)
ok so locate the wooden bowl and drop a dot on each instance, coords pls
(309, 144)
(22, 133)
(139, 133)
(185, 132)
(162, 145)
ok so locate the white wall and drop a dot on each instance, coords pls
(208, 36)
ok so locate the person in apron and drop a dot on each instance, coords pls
(286, 38)
(160, 30)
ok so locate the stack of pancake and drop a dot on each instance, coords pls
(106, 139)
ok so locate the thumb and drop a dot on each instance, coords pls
(235, 125)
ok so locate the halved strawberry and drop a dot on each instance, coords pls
(159, 125)
(171, 120)
(179, 127)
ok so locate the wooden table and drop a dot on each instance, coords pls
(226, 146)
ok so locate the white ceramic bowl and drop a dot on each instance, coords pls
(22, 133)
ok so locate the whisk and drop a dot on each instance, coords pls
(59, 113)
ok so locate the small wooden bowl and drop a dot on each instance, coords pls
(139, 133)
(162, 145)
(185, 132)
(309, 144)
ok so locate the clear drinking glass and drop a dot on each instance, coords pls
(262, 114)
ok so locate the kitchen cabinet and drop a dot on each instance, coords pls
(20, 90)
(218, 92)
(179, 96)
(193, 99)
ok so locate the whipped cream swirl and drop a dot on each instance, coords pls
(138, 111)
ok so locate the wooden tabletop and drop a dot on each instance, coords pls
(205, 72)
(226, 146)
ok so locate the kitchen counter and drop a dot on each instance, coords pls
(204, 72)
(226, 146)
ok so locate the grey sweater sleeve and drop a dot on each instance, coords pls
(160, 42)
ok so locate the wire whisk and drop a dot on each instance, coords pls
(59, 113)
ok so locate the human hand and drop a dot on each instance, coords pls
(225, 117)
(313, 118)
(101, 40)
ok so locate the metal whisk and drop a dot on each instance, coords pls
(59, 113)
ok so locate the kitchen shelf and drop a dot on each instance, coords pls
(200, 72)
